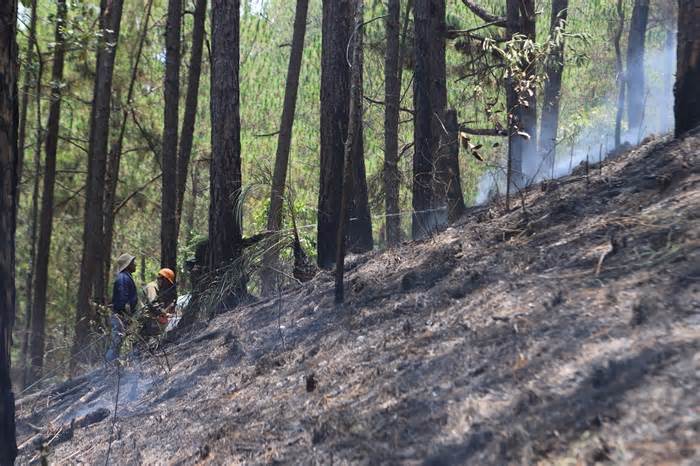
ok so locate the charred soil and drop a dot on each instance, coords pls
(565, 330)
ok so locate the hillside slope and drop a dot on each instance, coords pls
(566, 331)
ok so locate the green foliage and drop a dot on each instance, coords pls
(266, 29)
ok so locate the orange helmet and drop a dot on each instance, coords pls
(168, 275)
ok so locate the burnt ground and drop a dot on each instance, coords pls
(504, 340)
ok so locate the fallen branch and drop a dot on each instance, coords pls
(65, 432)
(483, 131)
(485, 15)
(130, 196)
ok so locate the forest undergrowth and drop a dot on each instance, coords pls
(565, 330)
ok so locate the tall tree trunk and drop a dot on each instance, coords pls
(335, 99)
(171, 88)
(225, 230)
(635, 64)
(44, 247)
(28, 75)
(448, 189)
(354, 124)
(687, 107)
(284, 140)
(429, 108)
(190, 116)
(532, 165)
(9, 180)
(189, 220)
(115, 153)
(392, 96)
(91, 278)
(515, 142)
(669, 75)
(549, 125)
(621, 81)
(359, 228)
(33, 220)
(450, 143)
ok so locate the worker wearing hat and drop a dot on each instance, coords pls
(124, 302)
(160, 297)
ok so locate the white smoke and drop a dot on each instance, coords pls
(597, 140)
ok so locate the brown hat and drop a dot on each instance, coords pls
(124, 261)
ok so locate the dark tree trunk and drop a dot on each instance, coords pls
(284, 140)
(635, 64)
(532, 165)
(429, 97)
(28, 65)
(620, 73)
(392, 97)
(450, 142)
(359, 228)
(225, 235)
(190, 116)
(46, 224)
(91, 278)
(515, 142)
(29, 75)
(9, 180)
(687, 107)
(192, 209)
(33, 221)
(171, 89)
(549, 125)
(669, 73)
(354, 125)
(335, 98)
(522, 109)
(115, 153)
(448, 189)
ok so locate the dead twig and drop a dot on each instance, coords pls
(608, 251)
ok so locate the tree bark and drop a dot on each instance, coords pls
(621, 81)
(115, 153)
(532, 165)
(359, 229)
(91, 279)
(687, 91)
(28, 65)
(9, 180)
(354, 124)
(33, 220)
(450, 142)
(46, 223)
(429, 107)
(29, 74)
(392, 97)
(189, 220)
(284, 141)
(171, 90)
(337, 29)
(447, 189)
(522, 108)
(635, 64)
(225, 230)
(549, 125)
(515, 143)
(191, 100)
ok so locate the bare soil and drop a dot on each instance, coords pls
(564, 331)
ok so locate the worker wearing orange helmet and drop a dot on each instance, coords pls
(160, 297)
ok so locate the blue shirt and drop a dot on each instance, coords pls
(123, 293)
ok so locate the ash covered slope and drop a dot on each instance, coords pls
(506, 339)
